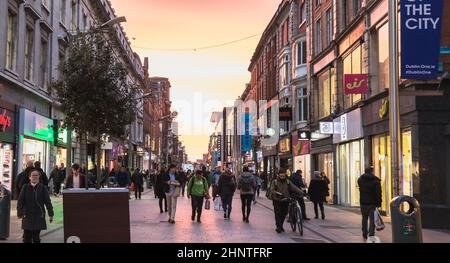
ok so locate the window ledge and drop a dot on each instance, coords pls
(29, 83)
(12, 73)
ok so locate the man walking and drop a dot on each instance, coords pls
(370, 199)
(172, 185)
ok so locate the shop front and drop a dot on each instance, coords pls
(36, 137)
(61, 141)
(302, 158)
(349, 157)
(269, 156)
(7, 128)
(322, 160)
(284, 154)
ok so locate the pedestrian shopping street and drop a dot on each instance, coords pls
(149, 226)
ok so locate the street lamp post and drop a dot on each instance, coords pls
(394, 112)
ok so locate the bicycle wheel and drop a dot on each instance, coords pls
(299, 219)
(292, 217)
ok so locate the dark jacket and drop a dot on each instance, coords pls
(137, 178)
(123, 179)
(159, 185)
(286, 188)
(30, 207)
(226, 185)
(54, 175)
(318, 189)
(166, 178)
(297, 180)
(69, 182)
(43, 179)
(247, 176)
(23, 179)
(369, 190)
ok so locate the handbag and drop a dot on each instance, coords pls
(378, 220)
(217, 204)
(132, 187)
(207, 204)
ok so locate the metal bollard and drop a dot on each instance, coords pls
(406, 226)
(5, 212)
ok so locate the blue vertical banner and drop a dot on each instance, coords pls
(421, 24)
(246, 137)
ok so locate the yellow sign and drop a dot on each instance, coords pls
(285, 145)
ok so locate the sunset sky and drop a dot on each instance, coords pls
(204, 80)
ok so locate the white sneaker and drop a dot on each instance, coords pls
(373, 239)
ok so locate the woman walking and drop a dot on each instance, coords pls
(159, 191)
(317, 190)
(225, 189)
(247, 187)
(30, 208)
(197, 190)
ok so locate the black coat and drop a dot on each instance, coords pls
(297, 180)
(30, 207)
(43, 179)
(137, 178)
(69, 182)
(318, 190)
(226, 185)
(159, 186)
(369, 190)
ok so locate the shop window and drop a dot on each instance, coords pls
(353, 64)
(29, 53)
(350, 167)
(383, 58)
(302, 104)
(11, 41)
(327, 91)
(34, 150)
(325, 165)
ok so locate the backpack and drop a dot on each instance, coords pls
(271, 184)
(246, 183)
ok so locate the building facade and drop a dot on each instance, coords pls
(35, 37)
(299, 68)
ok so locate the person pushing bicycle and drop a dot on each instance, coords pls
(282, 190)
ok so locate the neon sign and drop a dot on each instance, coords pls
(5, 121)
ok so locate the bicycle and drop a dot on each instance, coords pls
(295, 215)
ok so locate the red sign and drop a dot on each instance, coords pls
(301, 147)
(355, 84)
(5, 121)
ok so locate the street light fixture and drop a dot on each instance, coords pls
(114, 21)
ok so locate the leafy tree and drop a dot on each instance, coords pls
(96, 97)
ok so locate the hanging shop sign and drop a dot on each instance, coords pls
(421, 24)
(304, 135)
(246, 138)
(355, 84)
(326, 128)
(269, 150)
(285, 145)
(300, 147)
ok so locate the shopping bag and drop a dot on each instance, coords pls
(132, 187)
(217, 204)
(207, 204)
(379, 224)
